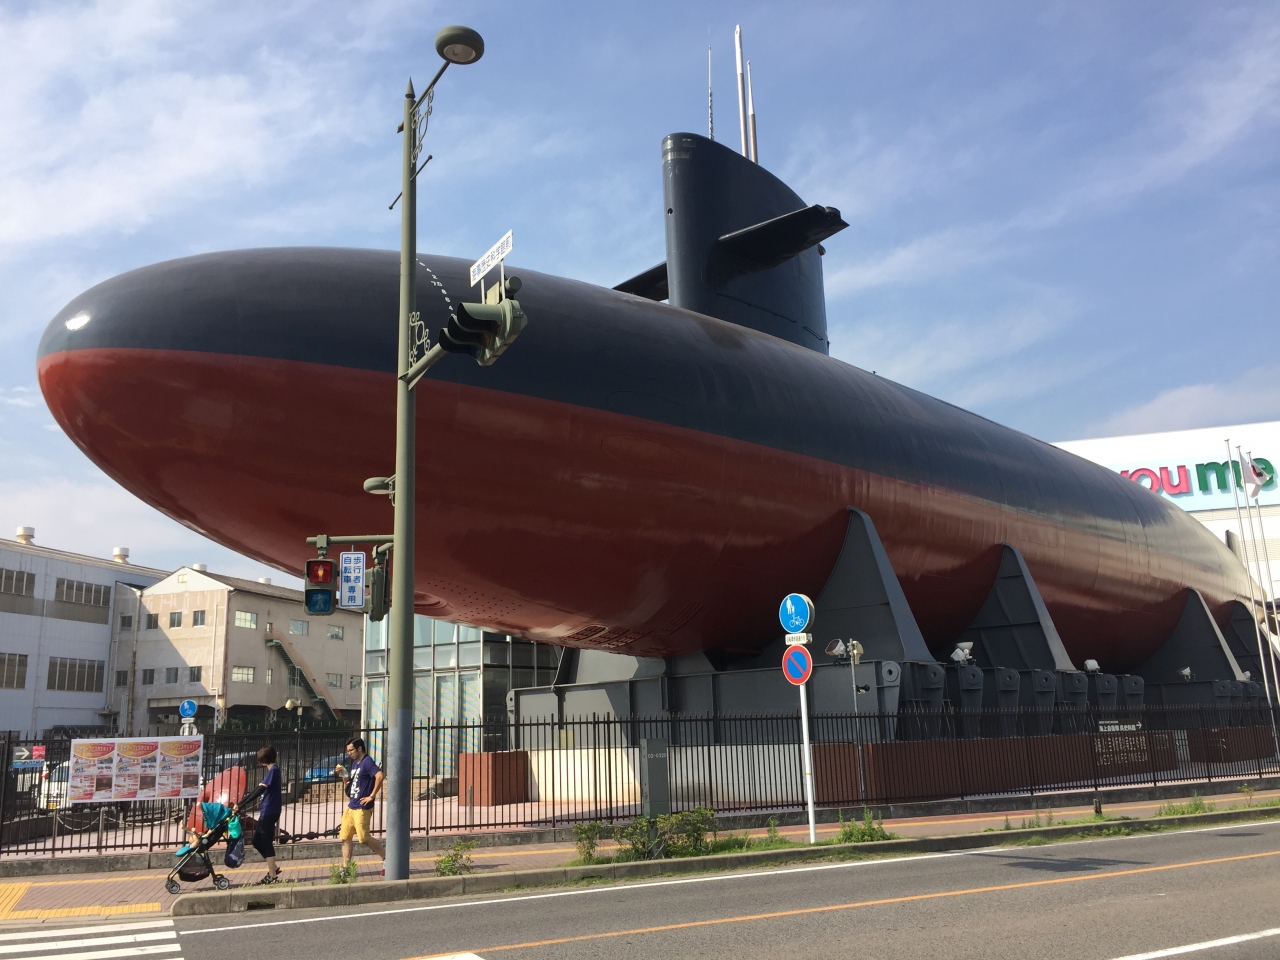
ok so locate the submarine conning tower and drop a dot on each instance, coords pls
(741, 245)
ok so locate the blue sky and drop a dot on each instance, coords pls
(1065, 216)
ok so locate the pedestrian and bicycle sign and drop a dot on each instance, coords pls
(795, 612)
(351, 579)
(187, 709)
(797, 664)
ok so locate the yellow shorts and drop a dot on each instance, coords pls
(355, 823)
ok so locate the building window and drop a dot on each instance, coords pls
(270, 675)
(295, 676)
(355, 680)
(197, 618)
(333, 679)
(153, 621)
(335, 633)
(77, 591)
(122, 678)
(78, 676)
(175, 619)
(13, 671)
(170, 674)
(246, 619)
(242, 675)
(193, 674)
(299, 628)
(126, 622)
(18, 582)
(148, 677)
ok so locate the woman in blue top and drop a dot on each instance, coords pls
(268, 814)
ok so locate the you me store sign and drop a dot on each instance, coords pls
(1190, 467)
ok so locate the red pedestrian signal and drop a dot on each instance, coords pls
(319, 593)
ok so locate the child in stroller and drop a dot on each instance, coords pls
(193, 857)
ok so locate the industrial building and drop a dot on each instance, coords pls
(238, 648)
(56, 614)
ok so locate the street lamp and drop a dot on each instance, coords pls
(460, 45)
(295, 706)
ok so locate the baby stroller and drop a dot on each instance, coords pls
(194, 863)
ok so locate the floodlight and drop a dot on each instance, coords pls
(1091, 666)
(835, 648)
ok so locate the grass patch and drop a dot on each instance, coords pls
(338, 873)
(1197, 804)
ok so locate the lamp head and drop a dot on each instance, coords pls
(1185, 673)
(290, 704)
(459, 45)
(835, 648)
(1091, 666)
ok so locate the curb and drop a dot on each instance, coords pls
(330, 849)
(430, 888)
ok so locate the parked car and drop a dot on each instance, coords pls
(322, 772)
(53, 786)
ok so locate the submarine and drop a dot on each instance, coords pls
(649, 469)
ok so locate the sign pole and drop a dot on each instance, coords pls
(808, 761)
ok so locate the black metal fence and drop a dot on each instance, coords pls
(496, 774)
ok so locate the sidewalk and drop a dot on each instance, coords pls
(142, 892)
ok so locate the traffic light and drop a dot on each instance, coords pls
(484, 330)
(319, 596)
(377, 605)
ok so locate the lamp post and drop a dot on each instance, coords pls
(460, 45)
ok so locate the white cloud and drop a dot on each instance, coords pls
(1252, 396)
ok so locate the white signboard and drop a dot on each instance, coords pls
(497, 253)
(145, 768)
(351, 580)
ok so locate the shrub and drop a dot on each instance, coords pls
(457, 860)
(865, 832)
(339, 873)
(1247, 790)
(641, 839)
(685, 834)
(588, 836)
(773, 829)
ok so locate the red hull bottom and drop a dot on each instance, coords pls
(575, 525)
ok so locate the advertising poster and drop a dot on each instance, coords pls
(155, 768)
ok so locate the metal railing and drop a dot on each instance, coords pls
(497, 774)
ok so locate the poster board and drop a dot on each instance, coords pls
(143, 768)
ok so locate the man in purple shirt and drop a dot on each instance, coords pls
(364, 781)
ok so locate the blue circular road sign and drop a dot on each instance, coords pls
(795, 613)
(797, 664)
(187, 709)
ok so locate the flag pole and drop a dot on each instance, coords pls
(1253, 600)
(1269, 585)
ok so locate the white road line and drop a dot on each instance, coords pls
(91, 941)
(76, 931)
(717, 878)
(1206, 945)
(109, 954)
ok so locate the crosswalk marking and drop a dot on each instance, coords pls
(93, 941)
(78, 931)
(146, 951)
(106, 941)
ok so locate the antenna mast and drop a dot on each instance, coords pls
(711, 115)
(742, 91)
(751, 116)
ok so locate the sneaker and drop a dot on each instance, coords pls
(383, 871)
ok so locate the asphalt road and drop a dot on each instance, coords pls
(1091, 900)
